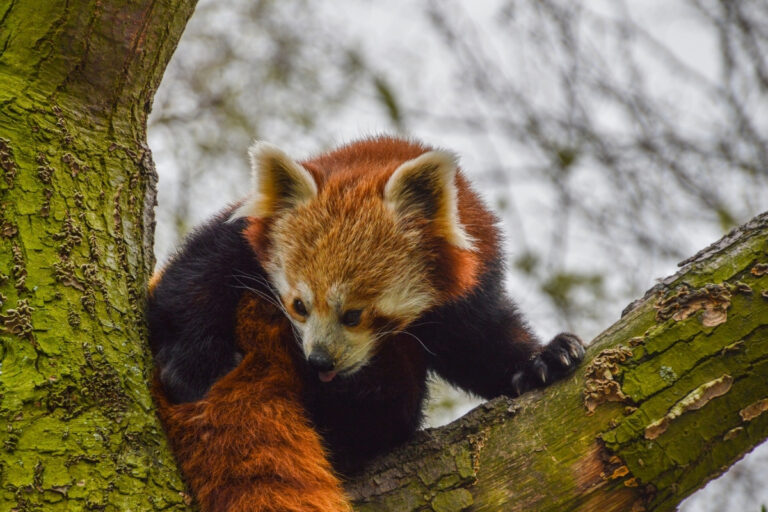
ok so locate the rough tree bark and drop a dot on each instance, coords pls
(77, 185)
(667, 399)
(669, 396)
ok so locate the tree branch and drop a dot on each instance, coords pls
(667, 399)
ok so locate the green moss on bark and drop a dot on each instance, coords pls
(76, 192)
(689, 379)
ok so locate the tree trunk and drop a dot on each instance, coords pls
(77, 193)
(667, 399)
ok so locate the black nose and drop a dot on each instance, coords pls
(320, 360)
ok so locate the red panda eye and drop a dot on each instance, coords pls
(351, 317)
(299, 307)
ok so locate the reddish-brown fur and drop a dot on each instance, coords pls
(373, 161)
(248, 445)
(369, 164)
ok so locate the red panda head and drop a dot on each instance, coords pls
(353, 253)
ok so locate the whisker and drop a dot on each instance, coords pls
(419, 340)
(256, 278)
(421, 324)
(273, 299)
(259, 280)
(263, 295)
(382, 334)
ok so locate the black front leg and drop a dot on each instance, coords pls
(482, 344)
(191, 310)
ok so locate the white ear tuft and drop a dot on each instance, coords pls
(279, 183)
(426, 186)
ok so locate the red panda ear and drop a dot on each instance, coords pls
(279, 183)
(426, 186)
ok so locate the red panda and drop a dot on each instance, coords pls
(293, 334)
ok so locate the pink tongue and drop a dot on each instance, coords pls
(326, 376)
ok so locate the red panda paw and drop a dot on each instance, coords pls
(556, 360)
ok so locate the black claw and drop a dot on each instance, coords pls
(576, 351)
(555, 361)
(570, 343)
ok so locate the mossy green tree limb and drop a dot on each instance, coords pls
(667, 399)
(77, 185)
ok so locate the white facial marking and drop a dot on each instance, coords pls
(407, 298)
(360, 346)
(279, 281)
(304, 292)
(336, 296)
